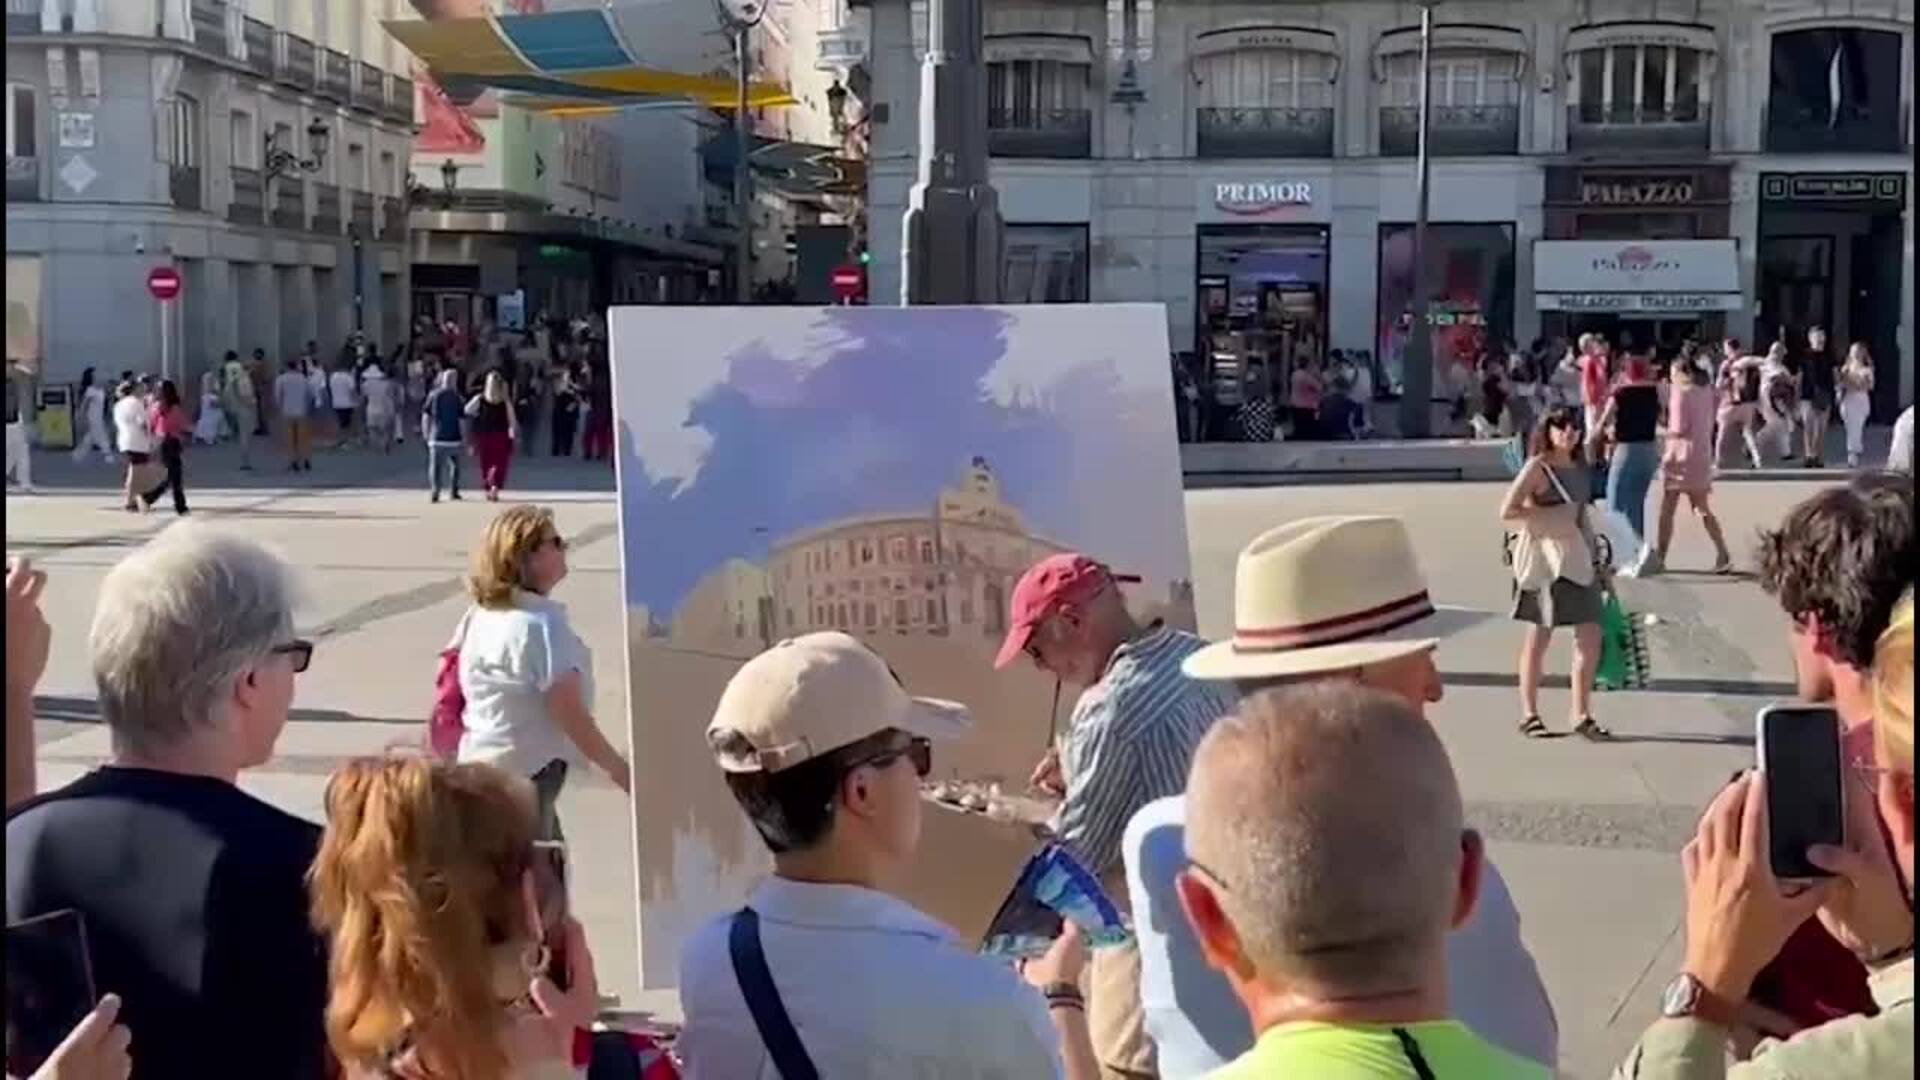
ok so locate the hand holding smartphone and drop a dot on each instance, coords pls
(1799, 753)
(49, 986)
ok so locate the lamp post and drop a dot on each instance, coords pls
(837, 107)
(278, 161)
(449, 181)
(739, 17)
(952, 232)
(1416, 364)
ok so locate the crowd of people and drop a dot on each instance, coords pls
(1287, 919)
(546, 390)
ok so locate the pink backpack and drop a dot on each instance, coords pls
(447, 722)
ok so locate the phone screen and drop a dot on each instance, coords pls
(550, 893)
(49, 986)
(1800, 756)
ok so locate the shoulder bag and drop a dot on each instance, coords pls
(770, 1017)
(1538, 560)
(447, 722)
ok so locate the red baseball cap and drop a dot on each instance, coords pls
(1049, 584)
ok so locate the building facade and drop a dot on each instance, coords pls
(257, 148)
(1252, 165)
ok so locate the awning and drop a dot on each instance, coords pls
(558, 55)
(795, 169)
(1639, 277)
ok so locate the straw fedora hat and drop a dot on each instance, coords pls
(1327, 594)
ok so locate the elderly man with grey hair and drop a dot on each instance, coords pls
(1325, 906)
(192, 891)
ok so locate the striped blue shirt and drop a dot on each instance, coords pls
(1131, 741)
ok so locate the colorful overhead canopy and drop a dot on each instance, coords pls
(564, 60)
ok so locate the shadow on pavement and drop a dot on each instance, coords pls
(1721, 687)
(83, 710)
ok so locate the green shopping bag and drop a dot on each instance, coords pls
(1624, 661)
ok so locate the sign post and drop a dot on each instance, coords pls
(163, 284)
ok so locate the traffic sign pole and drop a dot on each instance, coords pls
(166, 339)
(163, 284)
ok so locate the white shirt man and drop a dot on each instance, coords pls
(341, 389)
(130, 425)
(871, 987)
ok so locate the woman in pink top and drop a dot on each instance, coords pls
(1686, 463)
(169, 423)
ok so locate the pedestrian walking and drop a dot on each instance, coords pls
(293, 396)
(1856, 400)
(133, 433)
(494, 429)
(92, 417)
(168, 422)
(1818, 373)
(1630, 420)
(344, 396)
(320, 412)
(1738, 381)
(377, 389)
(260, 376)
(597, 443)
(442, 417)
(1686, 467)
(1556, 577)
(528, 402)
(526, 675)
(242, 404)
(19, 452)
(566, 413)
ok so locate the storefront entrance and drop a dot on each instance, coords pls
(1470, 283)
(1262, 308)
(1830, 256)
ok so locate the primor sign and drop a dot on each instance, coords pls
(1261, 196)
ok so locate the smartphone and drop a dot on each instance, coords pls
(550, 893)
(49, 986)
(1799, 751)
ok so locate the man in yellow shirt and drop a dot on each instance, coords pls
(1325, 906)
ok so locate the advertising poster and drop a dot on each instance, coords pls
(1470, 277)
(888, 472)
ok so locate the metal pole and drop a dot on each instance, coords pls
(951, 233)
(1416, 387)
(166, 339)
(359, 284)
(742, 174)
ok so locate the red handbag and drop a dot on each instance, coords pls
(447, 722)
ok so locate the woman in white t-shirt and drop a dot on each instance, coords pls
(345, 397)
(92, 418)
(134, 436)
(526, 676)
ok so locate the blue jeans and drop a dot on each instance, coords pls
(439, 459)
(1634, 465)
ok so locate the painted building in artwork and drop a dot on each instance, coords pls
(724, 611)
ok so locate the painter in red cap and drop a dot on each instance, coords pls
(1049, 585)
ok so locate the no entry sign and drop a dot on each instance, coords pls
(163, 282)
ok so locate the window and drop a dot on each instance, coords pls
(1026, 93)
(933, 612)
(1267, 79)
(180, 132)
(1045, 264)
(1834, 89)
(900, 616)
(1639, 84)
(1459, 79)
(23, 129)
(926, 551)
(356, 167)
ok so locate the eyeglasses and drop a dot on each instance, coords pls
(918, 750)
(559, 542)
(300, 650)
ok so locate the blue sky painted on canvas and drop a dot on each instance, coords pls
(748, 426)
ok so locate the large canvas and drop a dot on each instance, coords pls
(889, 472)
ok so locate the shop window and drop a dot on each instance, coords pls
(1045, 264)
(1470, 269)
(1639, 84)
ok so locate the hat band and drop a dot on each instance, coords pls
(1338, 630)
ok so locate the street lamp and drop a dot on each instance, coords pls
(278, 161)
(1416, 363)
(739, 17)
(449, 180)
(837, 107)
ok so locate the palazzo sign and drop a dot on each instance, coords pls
(1652, 276)
(1636, 190)
(1261, 196)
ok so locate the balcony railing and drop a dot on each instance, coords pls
(297, 61)
(23, 178)
(1593, 128)
(1040, 133)
(248, 203)
(210, 26)
(183, 186)
(400, 98)
(326, 208)
(1452, 130)
(289, 203)
(363, 212)
(23, 17)
(336, 74)
(1260, 133)
(1800, 129)
(393, 216)
(368, 87)
(258, 37)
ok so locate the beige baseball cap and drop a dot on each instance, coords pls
(810, 695)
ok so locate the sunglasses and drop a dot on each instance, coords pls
(300, 650)
(559, 542)
(918, 750)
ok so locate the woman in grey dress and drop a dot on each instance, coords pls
(1547, 502)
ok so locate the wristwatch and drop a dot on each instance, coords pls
(1687, 997)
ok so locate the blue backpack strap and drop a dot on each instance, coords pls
(763, 1000)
